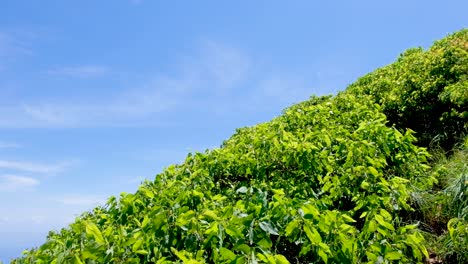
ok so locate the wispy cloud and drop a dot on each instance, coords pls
(13, 44)
(35, 167)
(82, 200)
(225, 78)
(122, 110)
(82, 71)
(10, 183)
(227, 66)
(213, 70)
(4, 144)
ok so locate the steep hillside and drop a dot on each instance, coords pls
(338, 179)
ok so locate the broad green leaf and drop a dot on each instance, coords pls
(87, 255)
(233, 232)
(291, 227)
(93, 230)
(384, 223)
(243, 248)
(312, 234)
(180, 255)
(211, 214)
(77, 260)
(323, 255)
(137, 245)
(145, 222)
(393, 255)
(327, 140)
(227, 254)
(310, 210)
(147, 192)
(280, 259)
(265, 243)
(373, 171)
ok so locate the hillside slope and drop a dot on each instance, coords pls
(332, 180)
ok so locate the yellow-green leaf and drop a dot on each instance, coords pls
(93, 230)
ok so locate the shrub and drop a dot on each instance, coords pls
(426, 91)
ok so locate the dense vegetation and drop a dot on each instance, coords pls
(377, 173)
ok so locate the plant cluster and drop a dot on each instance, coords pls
(425, 91)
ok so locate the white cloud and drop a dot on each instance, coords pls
(122, 110)
(9, 183)
(35, 167)
(208, 80)
(83, 71)
(45, 113)
(214, 70)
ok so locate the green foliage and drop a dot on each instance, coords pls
(456, 241)
(444, 208)
(426, 91)
(323, 182)
(329, 181)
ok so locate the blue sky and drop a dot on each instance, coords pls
(96, 96)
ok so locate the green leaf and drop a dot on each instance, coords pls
(145, 222)
(393, 255)
(87, 255)
(265, 243)
(310, 211)
(384, 223)
(312, 234)
(77, 260)
(142, 252)
(373, 171)
(147, 192)
(211, 214)
(163, 261)
(385, 214)
(363, 215)
(180, 255)
(93, 230)
(137, 245)
(227, 254)
(327, 140)
(280, 259)
(291, 227)
(323, 255)
(243, 248)
(348, 218)
(233, 232)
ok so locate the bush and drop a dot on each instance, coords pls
(426, 91)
